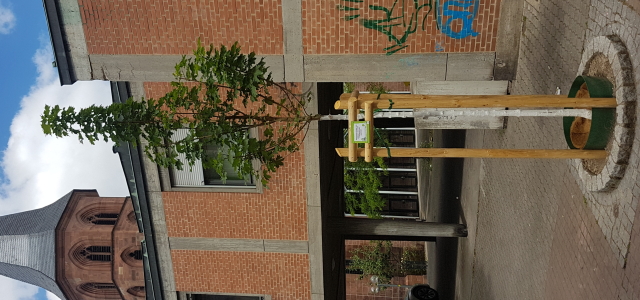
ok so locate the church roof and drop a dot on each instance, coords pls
(27, 245)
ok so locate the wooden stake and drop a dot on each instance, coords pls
(353, 116)
(479, 101)
(480, 153)
(368, 116)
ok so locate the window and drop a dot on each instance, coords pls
(96, 253)
(223, 297)
(99, 215)
(197, 177)
(137, 254)
(132, 256)
(103, 219)
(137, 291)
(104, 290)
(91, 254)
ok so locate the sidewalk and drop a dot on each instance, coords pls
(534, 231)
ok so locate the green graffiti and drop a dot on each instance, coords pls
(404, 23)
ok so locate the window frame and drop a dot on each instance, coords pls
(167, 183)
(185, 295)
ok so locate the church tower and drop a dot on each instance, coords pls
(82, 246)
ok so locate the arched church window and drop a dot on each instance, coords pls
(102, 219)
(105, 290)
(93, 254)
(137, 255)
(132, 256)
(100, 214)
(137, 291)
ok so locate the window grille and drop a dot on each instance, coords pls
(97, 253)
(105, 290)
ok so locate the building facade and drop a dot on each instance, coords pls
(204, 239)
(82, 247)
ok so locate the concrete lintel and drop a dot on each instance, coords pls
(508, 41)
(425, 87)
(292, 33)
(243, 245)
(294, 68)
(470, 66)
(375, 67)
(286, 246)
(387, 227)
(156, 68)
(248, 245)
(314, 213)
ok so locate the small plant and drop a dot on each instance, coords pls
(374, 259)
(378, 258)
(365, 177)
(371, 87)
(413, 261)
(376, 88)
(348, 87)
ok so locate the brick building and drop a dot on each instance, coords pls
(204, 239)
(81, 247)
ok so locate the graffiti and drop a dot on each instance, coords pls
(396, 25)
(409, 61)
(463, 11)
(404, 17)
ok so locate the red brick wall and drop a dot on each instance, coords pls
(361, 289)
(326, 31)
(280, 212)
(173, 26)
(127, 272)
(284, 276)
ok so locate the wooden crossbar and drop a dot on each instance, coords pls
(480, 101)
(479, 153)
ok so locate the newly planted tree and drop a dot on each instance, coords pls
(218, 97)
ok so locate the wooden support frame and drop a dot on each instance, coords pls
(370, 102)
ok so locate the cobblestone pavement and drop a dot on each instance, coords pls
(538, 233)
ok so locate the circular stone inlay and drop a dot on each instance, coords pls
(612, 170)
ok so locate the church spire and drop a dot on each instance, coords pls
(28, 243)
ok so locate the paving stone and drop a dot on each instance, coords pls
(539, 236)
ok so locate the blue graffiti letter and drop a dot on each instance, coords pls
(450, 12)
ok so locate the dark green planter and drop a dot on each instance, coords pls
(603, 119)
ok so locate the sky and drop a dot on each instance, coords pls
(36, 170)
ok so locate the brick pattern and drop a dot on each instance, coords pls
(280, 212)
(325, 30)
(76, 233)
(283, 276)
(172, 26)
(361, 289)
(127, 271)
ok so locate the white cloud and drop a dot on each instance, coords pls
(7, 20)
(51, 296)
(39, 169)
(16, 290)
